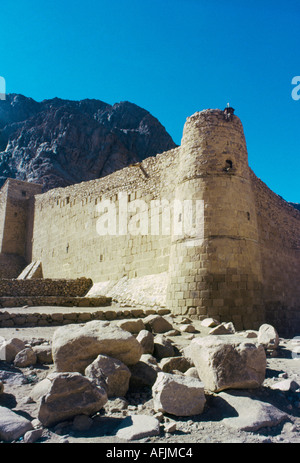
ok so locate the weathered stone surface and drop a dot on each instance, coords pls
(110, 373)
(228, 362)
(133, 325)
(137, 427)
(68, 395)
(144, 372)
(168, 364)
(74, 347)
(43, 354)
(1, 387)
(12, 425)
(250, 413)
(268, 336)
(178, 395)
(157, 324)
(146, 339)
(163, 347)
(10, 348)
(25, 358)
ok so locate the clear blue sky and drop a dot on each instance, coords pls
(171, 57)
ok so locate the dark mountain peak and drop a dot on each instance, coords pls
(58, 142)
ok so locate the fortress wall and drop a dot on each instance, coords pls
(279, 237)
(14, 221)
(66, 238)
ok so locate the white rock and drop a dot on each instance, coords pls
(138, 427)
(146, 339)
(74, 347)
(12, 425)
(268, 336)
(285, 385)
(10, 348)
(226, 362)
(178, 395)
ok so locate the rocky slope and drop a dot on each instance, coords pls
(60, 142)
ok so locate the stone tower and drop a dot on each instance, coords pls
(219, 275)
(16, 222)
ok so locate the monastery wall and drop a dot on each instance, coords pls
(279, 238)
(68, 237)
(237, 261)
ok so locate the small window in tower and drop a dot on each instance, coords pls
(228, 164)
(23, 193)
(248, 215)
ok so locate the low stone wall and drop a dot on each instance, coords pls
(10, 318)
(62, 301)
(45, 287)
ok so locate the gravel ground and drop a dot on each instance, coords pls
(205, 428)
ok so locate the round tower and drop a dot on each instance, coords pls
(217, 272)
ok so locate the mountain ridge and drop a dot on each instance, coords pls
(58, 142)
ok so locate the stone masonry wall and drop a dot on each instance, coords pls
(279, 237)
(65, 236)
(245, 265)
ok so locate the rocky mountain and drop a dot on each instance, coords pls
(61, 142)
(296, 205)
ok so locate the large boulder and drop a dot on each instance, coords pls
(74, 347)
(110, 373)
(68, 395)
(12, 425)
(268, 336)
(10, 348)
(178, 395)
(225, 362)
